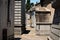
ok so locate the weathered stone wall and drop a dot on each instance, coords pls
(3, 16)
(3, 19)
(10, 32)
(55, 27)
(43, 29)
(49, 6)
(55, 32)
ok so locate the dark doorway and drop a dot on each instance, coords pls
(4, 33)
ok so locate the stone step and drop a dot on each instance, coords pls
(55, 37)
(56, 31)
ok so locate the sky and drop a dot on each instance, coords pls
(34, 1)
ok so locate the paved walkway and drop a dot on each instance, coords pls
(32, 35)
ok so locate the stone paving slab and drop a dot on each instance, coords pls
(32, 35)
(35, 38)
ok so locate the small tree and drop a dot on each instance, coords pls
(32, 4)
(28, 5)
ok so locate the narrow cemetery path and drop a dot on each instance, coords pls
(32, 35)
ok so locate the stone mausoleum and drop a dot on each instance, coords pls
(47, 18)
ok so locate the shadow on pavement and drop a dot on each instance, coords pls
(26, 32)
(17, 38)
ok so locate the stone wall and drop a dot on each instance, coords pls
(55, 32)
(10, 32)
(43, 29)
(3, 20)
(55, 27)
